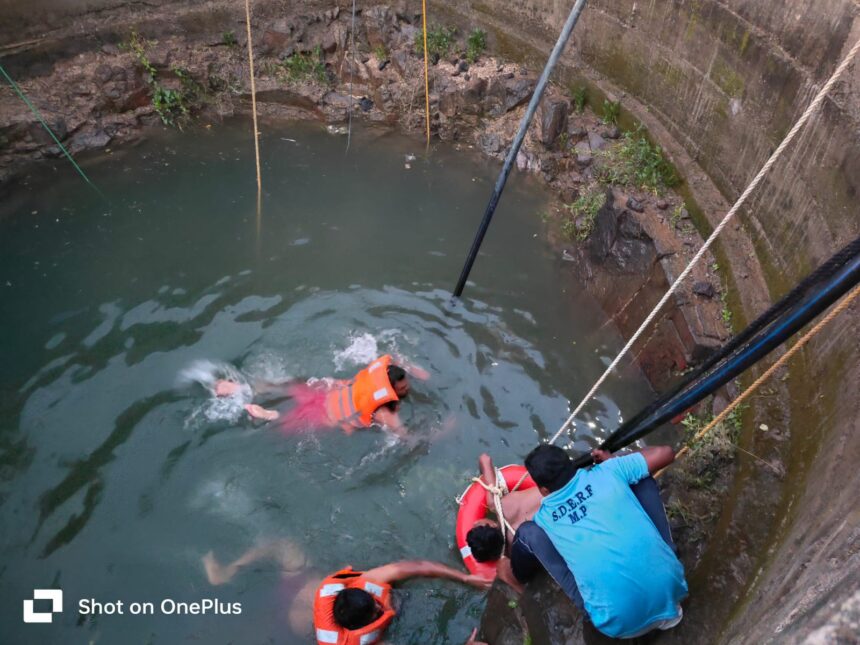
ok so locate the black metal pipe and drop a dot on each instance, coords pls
(518, 142)
(704, 382)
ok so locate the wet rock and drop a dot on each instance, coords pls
(401, 60)
(88, 140)
(327, 43)
(274, 42)
(490, 143)
(103, 74)
(612, 133)
(635, 205)
(549, 168)
(596, 141)
(383, 65)
(553, 120)
(463, 66)
(630, 228)
(605, 230)
(473, 95)
(40, 136)
(704, 289)
(574, 132)
(380, 22)
(365, 104)
(137, 98)
(517, 92)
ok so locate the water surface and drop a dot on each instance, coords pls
(119, 471)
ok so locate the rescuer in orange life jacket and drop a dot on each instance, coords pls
(371, 397)
(347, 607)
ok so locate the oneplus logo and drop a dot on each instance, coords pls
(56, 598)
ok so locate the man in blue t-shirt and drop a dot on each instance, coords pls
(602, 534)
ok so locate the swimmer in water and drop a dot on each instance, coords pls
(371, 397)
(347, 603)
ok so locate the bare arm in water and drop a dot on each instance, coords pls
(405, 569)
(411, 368)
(289, 556)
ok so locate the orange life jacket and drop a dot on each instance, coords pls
(328, 632)
(352, 403)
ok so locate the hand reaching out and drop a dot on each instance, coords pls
(478, 582)
(599, 456)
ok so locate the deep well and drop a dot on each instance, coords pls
(719, 84)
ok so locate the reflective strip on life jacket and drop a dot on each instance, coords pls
(331, 590)
(373, 588)
(368, 639)
(327, 636)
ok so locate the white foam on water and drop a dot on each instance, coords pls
(361, 350)
(363, 347)
(216, 408)
(268, 366)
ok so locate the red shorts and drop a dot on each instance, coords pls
(309, 409)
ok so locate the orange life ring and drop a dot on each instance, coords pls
(473, 507)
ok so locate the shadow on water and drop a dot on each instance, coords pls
(88, 473)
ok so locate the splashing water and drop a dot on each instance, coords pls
(216, 408)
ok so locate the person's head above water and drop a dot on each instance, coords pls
(355, 608)
(550, 467)
(398, 380)
(486, 541)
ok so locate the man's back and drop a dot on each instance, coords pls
(629, 578)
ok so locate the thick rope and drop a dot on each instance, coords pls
(253, 98)
(38, 115)
(498, 491)
(838, 309)
(426, 70)
(807, 115)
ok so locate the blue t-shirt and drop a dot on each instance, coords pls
(627, 575)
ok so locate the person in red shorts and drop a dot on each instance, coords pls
(371, 397)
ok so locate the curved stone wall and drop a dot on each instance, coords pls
(720, 83)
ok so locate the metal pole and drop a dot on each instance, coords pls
(699, 385)
(518, 142)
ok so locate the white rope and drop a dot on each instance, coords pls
(498, 491)
(816, 103)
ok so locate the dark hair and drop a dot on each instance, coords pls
(396, 373)
(550, 467)
(486, 542)
(354, 608)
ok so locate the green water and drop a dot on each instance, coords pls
(118, 471)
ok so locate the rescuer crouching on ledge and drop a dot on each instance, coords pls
(603, 536)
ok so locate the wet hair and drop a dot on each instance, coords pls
(396, 374)
(486, 542)
(354, 608)
(550, 467)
